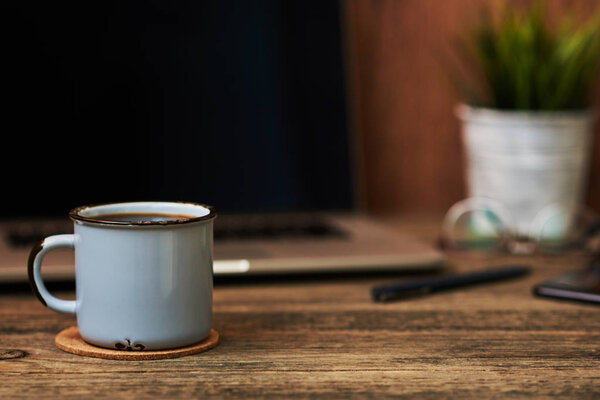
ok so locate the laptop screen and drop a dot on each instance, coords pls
(237, 104)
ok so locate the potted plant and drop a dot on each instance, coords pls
(527, 122)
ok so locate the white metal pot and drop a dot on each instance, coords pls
(527, 161)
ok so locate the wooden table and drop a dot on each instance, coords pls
(324, 337)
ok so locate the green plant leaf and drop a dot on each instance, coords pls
(526, 65)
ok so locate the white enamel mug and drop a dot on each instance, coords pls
(139, 285)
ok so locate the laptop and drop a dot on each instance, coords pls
(240, 105)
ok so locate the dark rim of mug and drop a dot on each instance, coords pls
(74, 214)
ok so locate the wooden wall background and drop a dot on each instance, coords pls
(403, 102)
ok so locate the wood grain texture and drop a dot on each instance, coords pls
(400, 53)
(324, 338)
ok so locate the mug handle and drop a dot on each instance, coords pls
(34, 270)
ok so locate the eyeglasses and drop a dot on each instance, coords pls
(481, 225)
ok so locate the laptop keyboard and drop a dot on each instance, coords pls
(254, 227)
(26, 234)
(275, 227)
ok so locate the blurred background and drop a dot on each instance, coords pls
(226, 103)
(262, 105)
(404, 101)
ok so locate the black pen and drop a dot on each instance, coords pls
(404, 290)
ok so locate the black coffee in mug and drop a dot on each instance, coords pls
(143, 217)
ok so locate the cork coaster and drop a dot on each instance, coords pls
(70, 340)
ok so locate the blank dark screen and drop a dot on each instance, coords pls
(237, 104)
